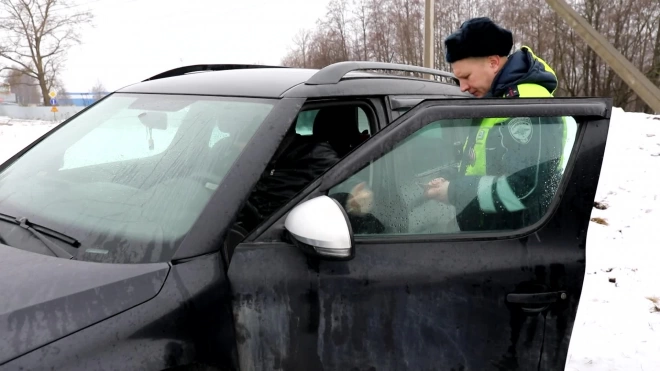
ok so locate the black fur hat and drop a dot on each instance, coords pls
(478, 37)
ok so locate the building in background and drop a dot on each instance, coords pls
(82, 99)
(6, 95)
(25, 96)
(19, 88)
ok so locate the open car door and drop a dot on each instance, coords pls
(418, 284)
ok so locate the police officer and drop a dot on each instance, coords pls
(511, 166)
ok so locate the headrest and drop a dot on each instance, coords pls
(338, 126)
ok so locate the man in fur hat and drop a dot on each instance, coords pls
(511, 166)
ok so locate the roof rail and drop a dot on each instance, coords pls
(206, 67)
(333, 73)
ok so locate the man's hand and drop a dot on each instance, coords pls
(360, 201)
(437, 189)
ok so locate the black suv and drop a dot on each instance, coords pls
(150, 230)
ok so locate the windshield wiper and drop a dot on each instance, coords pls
(39, 231)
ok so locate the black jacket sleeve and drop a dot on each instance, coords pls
(302, 162)
(522, 161)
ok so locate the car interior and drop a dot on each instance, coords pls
(342, 126)
(399, 176)
(433, 151)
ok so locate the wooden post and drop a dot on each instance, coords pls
(429, 42)
(639, 83)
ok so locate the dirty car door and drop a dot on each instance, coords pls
(429, 286)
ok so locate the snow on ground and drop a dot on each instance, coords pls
(16, 134)
(616, 326)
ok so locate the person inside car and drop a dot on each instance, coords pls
(301, 159)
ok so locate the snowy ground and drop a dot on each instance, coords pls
(617, 326)
(16, 134)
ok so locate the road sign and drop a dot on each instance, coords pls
(53, 102)
(54, 109)
(52, 94)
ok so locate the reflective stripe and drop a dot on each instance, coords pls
(485, 193)
(506, 195)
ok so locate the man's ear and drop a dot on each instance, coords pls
(494, 62)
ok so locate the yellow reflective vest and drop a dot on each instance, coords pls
(478, 165)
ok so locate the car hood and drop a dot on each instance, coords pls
(45, 298)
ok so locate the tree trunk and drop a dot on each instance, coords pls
(654, 71)
(44, 91)
(41, 77)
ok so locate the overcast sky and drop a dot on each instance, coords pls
(135, 39)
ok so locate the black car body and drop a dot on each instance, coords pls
(121, 250)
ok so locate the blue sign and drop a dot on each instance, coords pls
(53, 101)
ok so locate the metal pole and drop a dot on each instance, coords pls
(641, 85)
(428, 36)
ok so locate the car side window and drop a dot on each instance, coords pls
(463, 175)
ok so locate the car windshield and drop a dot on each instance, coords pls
(129, 176)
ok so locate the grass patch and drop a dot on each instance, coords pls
(600, 221)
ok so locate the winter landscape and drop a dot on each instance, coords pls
(618, 322)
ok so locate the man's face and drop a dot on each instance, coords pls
(476, 75)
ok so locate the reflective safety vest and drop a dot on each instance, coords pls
(478, 151)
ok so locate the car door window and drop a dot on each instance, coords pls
(500, 174)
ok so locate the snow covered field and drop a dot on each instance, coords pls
(618, 325)
(16, 134)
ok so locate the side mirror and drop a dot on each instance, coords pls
(154, 120)
(320, 227)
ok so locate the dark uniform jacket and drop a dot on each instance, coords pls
(510, 167)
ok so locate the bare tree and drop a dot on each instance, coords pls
(362, 16)
(338, 24)
(654, 70)
(37, 36)
(302, 41)
(392, 31)
(98, 90)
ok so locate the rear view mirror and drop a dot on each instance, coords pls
(154, 120)
(320, 227)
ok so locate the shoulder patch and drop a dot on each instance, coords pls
(521, 129)
(480, 134)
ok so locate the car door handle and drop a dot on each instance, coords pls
(540, 298)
